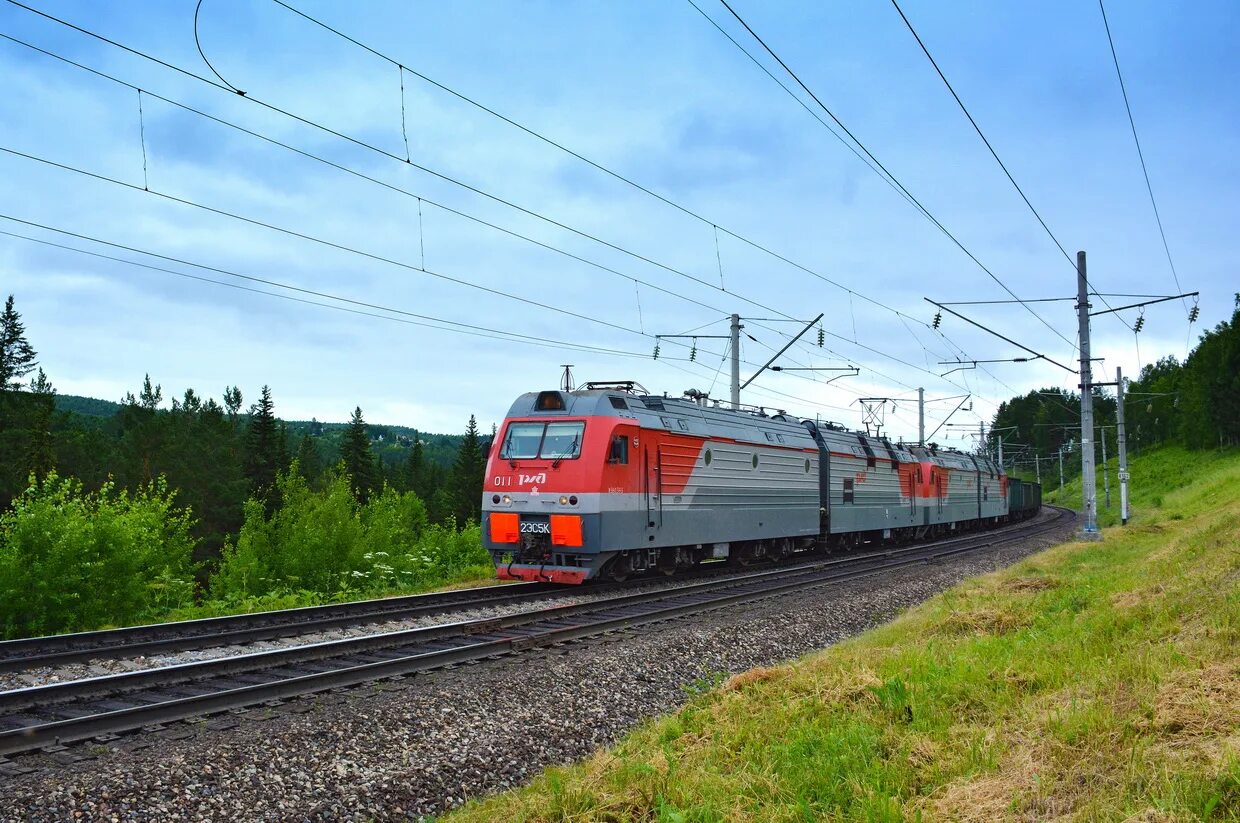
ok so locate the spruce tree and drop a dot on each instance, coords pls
(308, 459)
(415, 468)
(17, 357)
(42, 458)
(467, 475)
(262, 458)
(359, 460)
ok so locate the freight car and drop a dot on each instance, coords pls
(605, 482)
(1024, 499)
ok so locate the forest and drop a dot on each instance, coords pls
(139, 510)
(1194, 403)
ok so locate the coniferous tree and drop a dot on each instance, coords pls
(262, 459)
(467, 476)
(309, 461)
(358, 458)
(415, 469)
(42, 459)
(17, 357)
(232, 403)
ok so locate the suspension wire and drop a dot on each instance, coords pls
(421, 235)
(142, 139)
(718, 257)
(641, 325)
(404, 131)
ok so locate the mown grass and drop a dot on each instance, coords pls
(1093, 681)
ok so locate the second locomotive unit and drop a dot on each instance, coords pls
(604, 482)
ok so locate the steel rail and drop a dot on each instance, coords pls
(50, 650)
(64, 712)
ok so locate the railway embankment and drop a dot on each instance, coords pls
(1089, 681)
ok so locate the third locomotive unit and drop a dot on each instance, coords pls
(604, 482)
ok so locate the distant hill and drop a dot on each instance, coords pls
(87, 406)
(392, 442)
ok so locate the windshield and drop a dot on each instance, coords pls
(522, 441)
(552, 441)
(562, 440)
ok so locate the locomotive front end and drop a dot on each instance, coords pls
(543, 487)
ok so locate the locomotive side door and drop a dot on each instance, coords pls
(652, 475)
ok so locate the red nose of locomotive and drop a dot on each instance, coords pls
(542, 489)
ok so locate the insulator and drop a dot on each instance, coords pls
(1140, 324)
(1193, 313)
(656, 351)
(693, 351)
(822, 338)
(938, 318)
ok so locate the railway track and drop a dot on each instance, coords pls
(54, 650)
(42, 716)
(240, 629)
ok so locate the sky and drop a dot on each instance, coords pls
(377, 282)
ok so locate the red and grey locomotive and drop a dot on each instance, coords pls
(604, 482)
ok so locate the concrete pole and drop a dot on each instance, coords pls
(1122, 439)
(736, 361)
(1089, 482)
(1106, 470)
(1037, 468)
(1061, 468)
(921, 416)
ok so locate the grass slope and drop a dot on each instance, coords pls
(1091, 681)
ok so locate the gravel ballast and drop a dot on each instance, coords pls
(392, 751)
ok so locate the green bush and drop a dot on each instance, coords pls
(72, 560)
(323, 541)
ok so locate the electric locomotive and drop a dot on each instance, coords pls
(605, 482)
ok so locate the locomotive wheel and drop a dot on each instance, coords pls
(742, 556)
(667, 562)
(620, 568)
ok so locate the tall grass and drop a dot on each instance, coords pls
(1094, 681)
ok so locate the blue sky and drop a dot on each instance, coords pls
(654, 92)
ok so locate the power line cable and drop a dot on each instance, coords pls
(592, 163)
(425, 321)
(980, 134)
(886, 171)
(1140, 154)
(381, 151)
(991, 148)
(449, 209)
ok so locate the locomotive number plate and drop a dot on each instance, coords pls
(536, 528)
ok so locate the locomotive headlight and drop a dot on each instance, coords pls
(495, 498)
(572, 500)
(563, 500)
(507, 500)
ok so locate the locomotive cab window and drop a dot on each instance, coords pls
(562, 441)
(550, 441)
(522, 441)
(619, 452)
